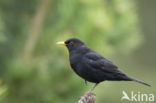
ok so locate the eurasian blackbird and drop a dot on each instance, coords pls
(91, 66)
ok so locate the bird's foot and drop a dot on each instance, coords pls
(93, 87)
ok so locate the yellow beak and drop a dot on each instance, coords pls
(61, 43)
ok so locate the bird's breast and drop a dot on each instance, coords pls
(75, 59)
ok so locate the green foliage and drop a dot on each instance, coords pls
(106, 26)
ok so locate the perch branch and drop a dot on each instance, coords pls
(88, 97)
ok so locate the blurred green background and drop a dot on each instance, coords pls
(33, 69)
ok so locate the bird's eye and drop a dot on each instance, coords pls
(71, 43)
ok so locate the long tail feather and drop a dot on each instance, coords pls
(139, 81)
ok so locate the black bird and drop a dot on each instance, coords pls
(91, 66)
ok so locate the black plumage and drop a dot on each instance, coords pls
(91, 66)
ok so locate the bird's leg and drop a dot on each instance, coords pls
(93, 87)
(86, 82)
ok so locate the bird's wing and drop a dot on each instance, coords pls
(97, 61)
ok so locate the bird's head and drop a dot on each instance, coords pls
(72, 44)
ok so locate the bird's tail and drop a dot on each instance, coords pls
(139, 81)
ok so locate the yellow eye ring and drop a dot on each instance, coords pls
(71, 43)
